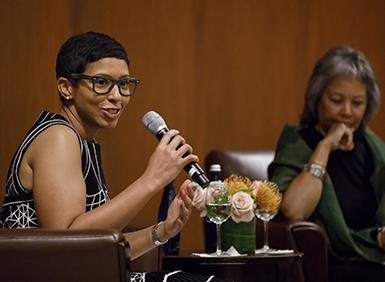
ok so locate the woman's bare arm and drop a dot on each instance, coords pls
(60, 192)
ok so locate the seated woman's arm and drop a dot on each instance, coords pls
(304, 192)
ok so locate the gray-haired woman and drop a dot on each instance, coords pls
(332, 166)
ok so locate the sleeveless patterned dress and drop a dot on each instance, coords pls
(18, 210)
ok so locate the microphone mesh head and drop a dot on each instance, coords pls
(153, 122)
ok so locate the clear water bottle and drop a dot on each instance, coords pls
(172, 246)
(215, 174)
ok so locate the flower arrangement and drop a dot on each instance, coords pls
(244, 197)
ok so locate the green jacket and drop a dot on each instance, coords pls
(292, 153)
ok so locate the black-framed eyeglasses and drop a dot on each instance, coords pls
(103, 85)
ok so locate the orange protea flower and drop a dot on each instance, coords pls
(237, 183)
(267, 196)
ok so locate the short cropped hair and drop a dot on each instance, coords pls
(340, 61)
(85, 48)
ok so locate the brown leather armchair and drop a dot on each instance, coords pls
(63, 255)
(305, 237)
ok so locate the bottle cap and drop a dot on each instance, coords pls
(215, 167)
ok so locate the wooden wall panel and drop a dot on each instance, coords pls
(226, 73)
(32, 32)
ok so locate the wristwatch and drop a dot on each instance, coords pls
(315, 169)
(154, 235)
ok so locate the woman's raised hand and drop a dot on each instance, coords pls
(170, 156)
(179, 211)
(339, 137)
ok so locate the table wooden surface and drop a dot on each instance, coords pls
(250, 268)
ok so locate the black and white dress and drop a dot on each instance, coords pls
(18, 210)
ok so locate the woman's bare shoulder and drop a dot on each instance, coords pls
(57, 139)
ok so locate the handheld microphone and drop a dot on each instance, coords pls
(157, 126)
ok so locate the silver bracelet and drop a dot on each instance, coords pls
(154, 235)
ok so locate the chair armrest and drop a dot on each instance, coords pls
(302, 236)
(308, 238)
(63, 255)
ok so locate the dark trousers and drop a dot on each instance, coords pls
(356, 271)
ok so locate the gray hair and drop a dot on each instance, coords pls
(340, 61)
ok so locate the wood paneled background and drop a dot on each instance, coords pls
(226, 73)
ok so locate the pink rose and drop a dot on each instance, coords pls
(201, 198)
(242, 207)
